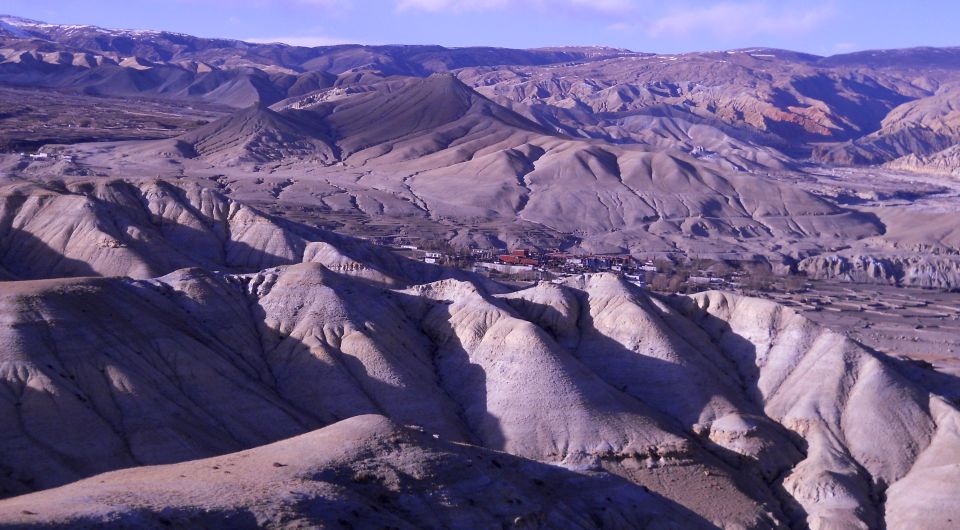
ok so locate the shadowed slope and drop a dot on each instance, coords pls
(252, 135)
(113, 227)
(417, 117)
(361, 472)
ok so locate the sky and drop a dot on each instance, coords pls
(823, 27)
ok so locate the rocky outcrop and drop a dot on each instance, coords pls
(914, 270)
(792, 366)
(143, 229)
(945, 162)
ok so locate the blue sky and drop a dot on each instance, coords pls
(818, 26)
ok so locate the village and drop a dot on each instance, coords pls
(520, 266)
(42, 156)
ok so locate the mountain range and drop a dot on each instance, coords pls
(791, 98)
(678, 150)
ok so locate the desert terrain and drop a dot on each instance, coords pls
(260, 285)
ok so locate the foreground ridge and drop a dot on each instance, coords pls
(737, 409)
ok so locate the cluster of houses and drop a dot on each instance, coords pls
(557, 263)
(529, 264)
(519, 257)
(41, 156)
(520, 260)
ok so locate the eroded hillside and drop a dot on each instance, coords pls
(735, 409)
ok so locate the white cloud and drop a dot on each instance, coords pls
(309, 41)
(326, 5)
(844, 47)
(458, 6)
(741, 19)
(449, 5)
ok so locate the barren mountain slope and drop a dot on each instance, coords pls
(145, 395)
(41, 64)
(741, 411)
(923, 59)
(733, 103)
(165, 47)
(363, 472)
(131, 63)
(253, 135)
(940, 113)
(395, 120)
(747, 93)
(746, 98)
(412, 118)
(148, 227)
(945, 162)
(405, 145)
(914, 130)
(113, 227)
(241, 369)
(607, 151)
(846, 442)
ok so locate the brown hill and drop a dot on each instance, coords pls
(412, 118)
(257, 134)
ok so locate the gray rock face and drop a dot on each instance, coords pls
(945, 162)
(113, 227)
(914, 270)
